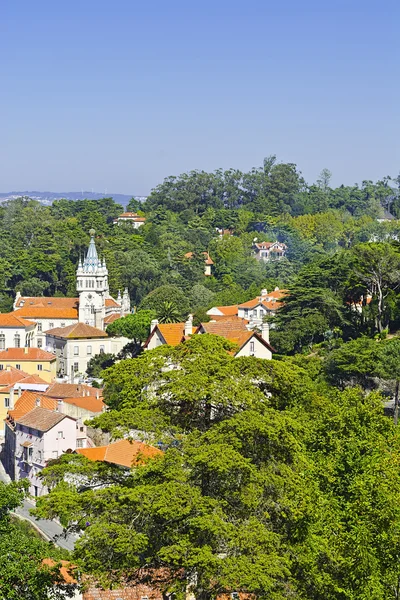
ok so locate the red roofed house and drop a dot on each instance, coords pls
(267, 251)
(208, 262)
(93, 307)
(266, 304)
(222, 312)
(12, 382)
(124, 453)
(34, 361)
(130, 217)
(250, 343)
(168, 333)
(16, 331)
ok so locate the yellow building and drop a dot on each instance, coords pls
(11, 378)
(34, 361)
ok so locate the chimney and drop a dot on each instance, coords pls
(19, 391)
(153, 325)
(189, 326)
(26, 350)
(264, 293)
(59, 406)
(265, 332)
(37, 401)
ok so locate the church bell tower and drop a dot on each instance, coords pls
(92, 287)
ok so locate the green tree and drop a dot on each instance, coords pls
(98, 363)
(389, 368)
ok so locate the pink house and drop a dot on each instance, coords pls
(41, 435)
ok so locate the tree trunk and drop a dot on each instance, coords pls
(396, 403)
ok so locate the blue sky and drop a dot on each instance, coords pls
(118, 95)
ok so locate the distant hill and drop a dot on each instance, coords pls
(49, 197)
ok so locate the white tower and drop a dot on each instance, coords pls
(92, 287)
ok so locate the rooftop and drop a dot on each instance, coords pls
(28, 401)
(77, 331)
(41, 419)
(123, 452)
(172, 333)
(14, 320)
(72, 390)
(10, 375)
(26, 354)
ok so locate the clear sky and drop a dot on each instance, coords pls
(117, 95)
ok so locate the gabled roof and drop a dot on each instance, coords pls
(269, 245)
(28, 401)
(90, 403)
(237, 336)
(42, 419)
(11, 375)
(171, 333)
(131, 215)
(122, 453)
(14, 320)
(26, 354)
(111, 302)
(225, 326)
(226, 311)
(207, 259)
(270, 300)
(77, 331)
(111, 318)
(72, 390)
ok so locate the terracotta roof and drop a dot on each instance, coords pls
(90, 403)
(26, 354)
(47, 307)
(111, 318)
(131, 215)
(77, 331)
(38, 312)
(71, 390)
(64, 569)
(11, 375)
(267, 245)
(269, 300)
(111, 302)
(172, 333)
(226, 310)
(13, 320)
(27, 402)
(122, 453)
(226, 327)
(27, 379)
(41, 419)
(207, 259)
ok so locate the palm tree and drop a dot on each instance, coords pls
(168, 312)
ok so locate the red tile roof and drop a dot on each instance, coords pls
(30, 400)
(41, 419)
(77, 331)
(72, 390)
(14, 320)
(11, 375)
(172, 333)
(47, 307)
(111, 302)
(90, 403)
(111, 318)
(227, 311)
(26, 354)
(207, 259)
(123, 452)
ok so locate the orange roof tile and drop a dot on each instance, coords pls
(111, 318)
(122, 453)
(226, 326)
(227, 310)
(90, 403)
(32, 379)
(207, 259)
(11, 375)
(28, 401)
(111, 302)
(48, 312)
(44, 301)
(72, 390)
(172, 333)
(64, 569)
(14, 320)
(26, 354)
(77, 331)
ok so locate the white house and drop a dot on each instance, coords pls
(94, 306)
(41, 435)
(267, 251)
(75, 345)
(266, 304)
(15, 331)
(130, 217)
(250, 343)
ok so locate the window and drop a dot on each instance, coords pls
(54, 454)
(39, 327)
(76, 367)
(39, 455)
(1, 367)
(2, 341)
(60, 435)
(51, 325)
(76, 350)
(18, 367)
(6, 402)
(17, 341)
(101, 349)
(79, 443)
(251, 347)
(89, 350)
(235, 596)
(62, 324)
(40, 367)
(39, 343)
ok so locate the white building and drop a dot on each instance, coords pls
(266, 304)
(15, 331)
(41, 435)
(94, 306)
(75, 345)
(130, 217)
(267, 251)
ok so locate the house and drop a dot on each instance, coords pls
(387, 216)
(222, 312)
(221, 232)
(72, 390)
(75, 345)
(123, 453)
(208, 262)
(250, 343)
(130, 217)
(15, 331)
(266, 304)
(33, 361)
(93, 306)
(267, 251)
(168, 333)
(41, 435)
(12, 383)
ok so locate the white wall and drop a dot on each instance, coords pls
(26, 335)
(260, 351)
